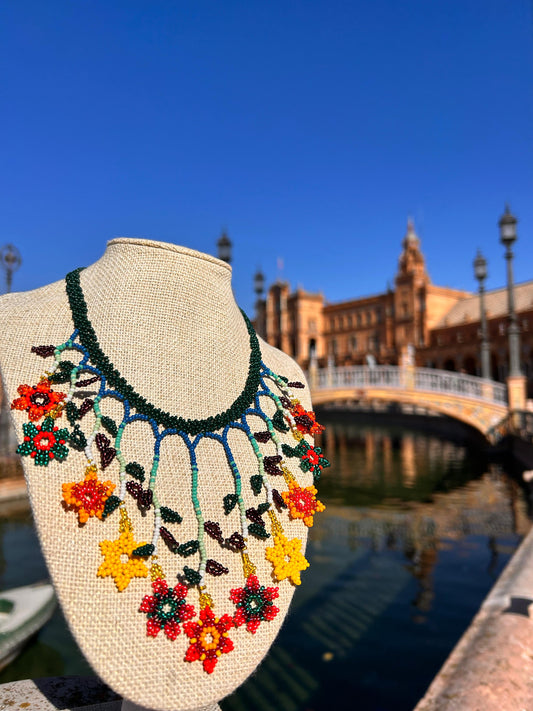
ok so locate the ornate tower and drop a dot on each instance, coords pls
(410, 294)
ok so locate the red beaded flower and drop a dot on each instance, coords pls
(208, 639)
(37, 400)
(306, 420)
(44, 442)
(254, 604)
(166, 608)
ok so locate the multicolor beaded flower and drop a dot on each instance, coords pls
(302, 502)
(254, 604)
(119, 561)
(88, 497)
(306, 420)
(287, 559)
(38, 400)
(208, 638)
(44, 442)
(166, 608)
(311, 458)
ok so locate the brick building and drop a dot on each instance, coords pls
(441, 324)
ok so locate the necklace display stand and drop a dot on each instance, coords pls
(170, 465)
(130, 706)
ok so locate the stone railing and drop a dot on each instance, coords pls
(442, 381)
(409, 378)
(355, 376)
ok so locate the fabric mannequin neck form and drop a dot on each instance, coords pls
(166, 317)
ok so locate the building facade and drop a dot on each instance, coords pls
(440, 325)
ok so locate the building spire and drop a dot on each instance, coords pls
(411, 259)
(411, 238)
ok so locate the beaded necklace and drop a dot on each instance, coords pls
(125, 558)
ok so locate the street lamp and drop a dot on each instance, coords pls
(507, 226)
(10, 260)
(480, 271)
(260, 306)
(224, 248)
(259, 283)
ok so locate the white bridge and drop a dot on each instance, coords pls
(478, 402)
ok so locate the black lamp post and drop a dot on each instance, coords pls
(259, 283)
(11, 260)
(480, 271)
(507, 226)
(259, 288)
(224, 248)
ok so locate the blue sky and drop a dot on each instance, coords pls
(310, 130)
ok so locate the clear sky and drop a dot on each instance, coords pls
(309, 129)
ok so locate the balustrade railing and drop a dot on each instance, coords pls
(443, 381)
(360, 377)
(424, 379)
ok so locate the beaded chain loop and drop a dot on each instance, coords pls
(127, 558)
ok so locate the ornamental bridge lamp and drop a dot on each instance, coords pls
(260, 305)
(480, 271)
(507, 226)
(224, 248)
(11, 260)
(516, 381)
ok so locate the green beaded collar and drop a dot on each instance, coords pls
(87, 336)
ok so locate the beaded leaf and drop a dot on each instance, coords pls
(43, 351)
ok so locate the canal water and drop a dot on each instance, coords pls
(418, 527)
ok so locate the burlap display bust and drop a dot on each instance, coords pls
(167, 319)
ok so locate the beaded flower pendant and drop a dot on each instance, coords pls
(167, 608)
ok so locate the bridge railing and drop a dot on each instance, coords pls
(426, 379)
(356, 376)
(443, 381)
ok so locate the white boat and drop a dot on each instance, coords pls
(23, 611)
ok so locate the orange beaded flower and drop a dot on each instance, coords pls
(88, 497)
(38, 400)
(306, 420)
(208, 638)
(302, 502)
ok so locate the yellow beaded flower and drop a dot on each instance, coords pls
(119, 562)
(302, 502)
(286, 558)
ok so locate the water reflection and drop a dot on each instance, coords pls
(416, 530)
